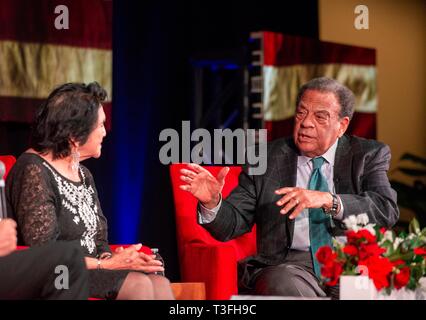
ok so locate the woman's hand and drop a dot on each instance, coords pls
(8, 239)
(130, 259)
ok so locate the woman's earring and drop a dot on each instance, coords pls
(75, 160)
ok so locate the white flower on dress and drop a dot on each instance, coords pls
(79, 201)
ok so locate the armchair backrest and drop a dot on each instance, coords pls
(188, 230)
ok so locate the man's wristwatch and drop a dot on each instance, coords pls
(334, 207)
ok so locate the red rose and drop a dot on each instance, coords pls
(352, 236)
(331, 271)
(367, 235)
(369, 250)
(325, 255)
(402, 278)
(379, 270)
(350, 250)
(362, 234)
(382, 230)
(420, 251)
(397, 263)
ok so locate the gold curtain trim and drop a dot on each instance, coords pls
(280, 86)
(32, 70)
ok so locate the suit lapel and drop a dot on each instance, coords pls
(343, 166)
(287, 168)
(287, 165)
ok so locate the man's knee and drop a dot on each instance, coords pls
(69, 254)
(65, 273)
(285, 280)
(69, 257)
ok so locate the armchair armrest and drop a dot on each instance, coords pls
(213, 264)
(144, 249)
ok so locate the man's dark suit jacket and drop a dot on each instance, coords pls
(360, 179)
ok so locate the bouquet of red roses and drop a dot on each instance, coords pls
(392, 262)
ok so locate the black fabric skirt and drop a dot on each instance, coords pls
(105, 284)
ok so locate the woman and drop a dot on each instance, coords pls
(53, 197)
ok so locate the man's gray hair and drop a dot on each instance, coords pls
(344, 95)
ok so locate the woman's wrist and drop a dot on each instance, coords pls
(102, 259)
(105, 255)
(107, 263)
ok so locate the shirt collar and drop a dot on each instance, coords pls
(329, 156)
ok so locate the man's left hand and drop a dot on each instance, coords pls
(299, 199)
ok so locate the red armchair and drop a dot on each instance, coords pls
(8, 161)
(144, 249)
(201, 257)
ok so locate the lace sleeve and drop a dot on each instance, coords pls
(35, 207)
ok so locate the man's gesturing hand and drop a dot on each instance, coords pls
(203, 185)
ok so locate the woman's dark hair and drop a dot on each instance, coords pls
(69, 112)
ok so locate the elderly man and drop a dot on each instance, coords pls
(32, 273)
(313, 181)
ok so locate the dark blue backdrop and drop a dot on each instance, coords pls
(136, 195)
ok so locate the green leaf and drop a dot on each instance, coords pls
(414, 226)
(418, 259)
(402, 234)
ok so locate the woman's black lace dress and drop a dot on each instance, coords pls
(49, 207)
